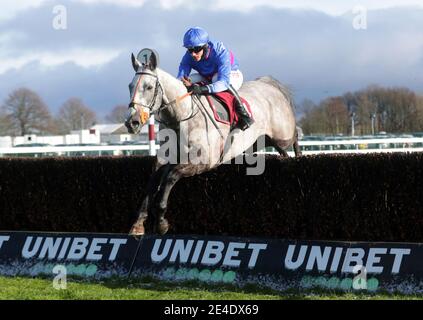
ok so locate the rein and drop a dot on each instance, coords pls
(163, 105)
(176, 101)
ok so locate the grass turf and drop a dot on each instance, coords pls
(20, 288)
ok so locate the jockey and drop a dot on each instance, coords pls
(216, 66)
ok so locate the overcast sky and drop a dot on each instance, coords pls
(312, 46)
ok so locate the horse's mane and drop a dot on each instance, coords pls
(285, 90)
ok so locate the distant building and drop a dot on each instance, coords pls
(6, 142)
(97, 134)
(118, 133)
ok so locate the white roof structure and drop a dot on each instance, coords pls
(113, 128)
(119, 128)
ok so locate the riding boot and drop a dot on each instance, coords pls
(244, 119)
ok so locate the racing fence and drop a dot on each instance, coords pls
(301, 224)
(373, 197)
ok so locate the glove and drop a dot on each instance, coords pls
(186, 81)
(197, 89)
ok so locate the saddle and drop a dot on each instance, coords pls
(223, 106)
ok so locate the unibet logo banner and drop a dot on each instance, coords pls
(278, 264)
(33, 254)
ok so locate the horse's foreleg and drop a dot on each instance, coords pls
(161, 222)
(180, 171)
(154, 182)
(138, 228)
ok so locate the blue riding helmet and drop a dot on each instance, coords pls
(195, 37)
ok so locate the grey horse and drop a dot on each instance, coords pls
(195, 143)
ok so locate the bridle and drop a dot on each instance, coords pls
(171, 103)
(163, 104)
(156, 91)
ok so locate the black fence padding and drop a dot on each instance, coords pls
(373, 197)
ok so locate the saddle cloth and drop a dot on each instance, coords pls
(223, 107)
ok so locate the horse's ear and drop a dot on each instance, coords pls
(135, 63)
(154, 60)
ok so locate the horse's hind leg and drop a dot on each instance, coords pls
(279, 146)
(281, 151)
(296, 146)
(282, 145)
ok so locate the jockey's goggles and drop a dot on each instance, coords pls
(196, 49)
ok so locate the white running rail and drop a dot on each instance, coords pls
(307, 147)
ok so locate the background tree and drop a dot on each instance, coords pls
(118, 114)
(74, 115)
(336, 115)
(304, 108)
(365, 110)
(5, 124)
(24, 112)
(314, 122)
(329, 117)
(394, 110)
(419, 104)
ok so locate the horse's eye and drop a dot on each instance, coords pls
(149, 87)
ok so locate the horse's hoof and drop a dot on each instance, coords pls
(137, 230)
(163, 226)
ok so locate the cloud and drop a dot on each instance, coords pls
(163, 4)
(316, 53)
(83, 57)
(12, 55)
(331, 7)
(10, 8)
(101, 89)
(122, 3)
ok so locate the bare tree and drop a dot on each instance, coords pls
(118, 114)
(336, 114)
(314, 121)
(395, 110)
(24, 112)
(5, 124)
(419, 113)
(304, 108)
(74, 115)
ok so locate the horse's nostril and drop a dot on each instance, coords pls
(135, 126)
